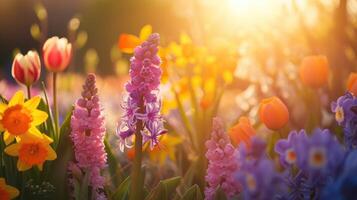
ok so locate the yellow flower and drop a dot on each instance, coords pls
(32, 150)
(7, 191)
(128, 42)
(19, 117)
(165, 149)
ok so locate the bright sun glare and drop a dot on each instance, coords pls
(254, 12)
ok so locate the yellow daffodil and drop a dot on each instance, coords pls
(32, 150)
(19, 118)
(7, 191)
(127, 42)
(165, 149)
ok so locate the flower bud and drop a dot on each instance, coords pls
(273, 113)
(242, 132)
(57, 53)
(26, 69)
(314, 71)
(352, 83)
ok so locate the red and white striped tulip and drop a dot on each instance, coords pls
(26, 69)
(57, 53)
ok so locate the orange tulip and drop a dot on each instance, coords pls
(273, 113)
(314, 71)
(352, 83)
(242, 132)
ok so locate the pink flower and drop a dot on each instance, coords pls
(57, 53)
(26, 69)
(88, 131)
(222, 164)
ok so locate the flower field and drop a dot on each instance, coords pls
(184, 100)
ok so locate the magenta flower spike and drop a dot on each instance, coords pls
(88, 132)
(222, 163)
(142, 103)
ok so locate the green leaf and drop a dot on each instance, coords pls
(220, 195)
(58, 168)
(165, 189)
(121, 193)
(113, 165)
(84, 187)
(193, 192)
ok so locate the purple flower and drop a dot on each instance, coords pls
(344, 108)
(142, 104)
(221, 163)
(257, 173)
(88, 131)
(286, 148)
(345, 185)
(320, 157)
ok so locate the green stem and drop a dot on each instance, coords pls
(55, 106)
(137, 179)
(28, 87)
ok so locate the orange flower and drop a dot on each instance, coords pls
(7, 191)
(32, 150)
(273, 113)
(128, 42)
(242, 132)
(352, 83)
(314, 71)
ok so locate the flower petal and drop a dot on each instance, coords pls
(33, 102)
(145, 32)
(39, 117)
(13, 150)
(18, 98)
(128, 42)
(3, 107)
(51, 154)
(21, 166)
(13, 192)
(34, 131)
(8, 138)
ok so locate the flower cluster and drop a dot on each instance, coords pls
(221, 166)
(19, 119)
(317, 158)
(345, 109)
(257, 173)
(88, 131)
(142, 104)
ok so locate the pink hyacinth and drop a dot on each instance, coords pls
(222, 163)
(143, 104)
(88, 131)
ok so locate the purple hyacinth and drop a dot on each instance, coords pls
(88, 132)
(345, 109)
(142, 102)
(257, 173)
(221, 163)
(286, 148)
